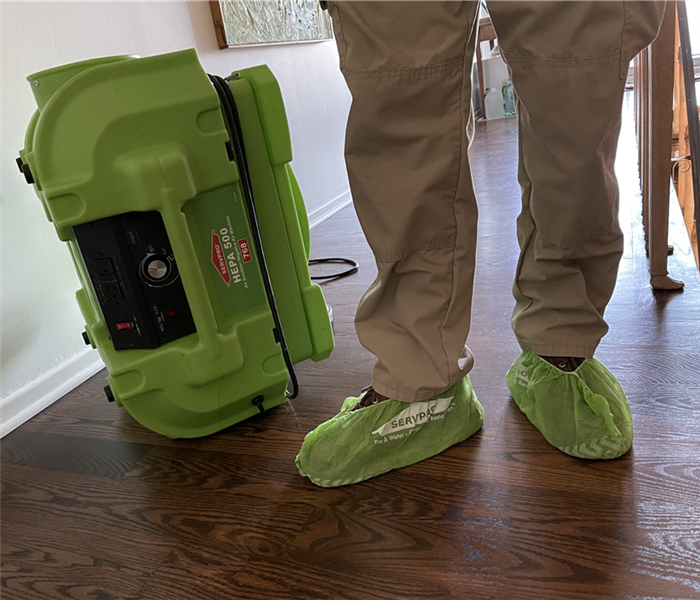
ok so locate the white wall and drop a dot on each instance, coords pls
(43, 355)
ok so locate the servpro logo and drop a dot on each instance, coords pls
(217, 257)
(225, 264)
(521, 377)
(416, 414)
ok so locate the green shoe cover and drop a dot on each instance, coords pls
(584, 413)
(354, 446)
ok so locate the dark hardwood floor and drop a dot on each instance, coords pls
(96, 507)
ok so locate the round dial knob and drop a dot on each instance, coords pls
(157, 269)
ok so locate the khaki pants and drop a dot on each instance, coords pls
(408, 66)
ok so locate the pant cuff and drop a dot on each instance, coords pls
(408, 395)
(559, 350)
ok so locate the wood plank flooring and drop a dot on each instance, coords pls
(95, 507)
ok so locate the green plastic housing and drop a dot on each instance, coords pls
(123, 134)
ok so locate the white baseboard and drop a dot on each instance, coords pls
(325, 212)
(30, 400)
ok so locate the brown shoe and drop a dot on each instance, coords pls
(566, 364)
(368, 398)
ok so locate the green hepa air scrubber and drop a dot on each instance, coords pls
(174, 193)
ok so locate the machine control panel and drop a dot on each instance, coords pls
(136, 281)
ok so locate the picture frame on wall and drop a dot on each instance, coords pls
(254, 22)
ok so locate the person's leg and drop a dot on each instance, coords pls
(568, 62)
(408, 66)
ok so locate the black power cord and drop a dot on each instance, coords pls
(344, 261)
(231, 112)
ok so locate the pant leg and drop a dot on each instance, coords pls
(568, 62)
(408, 68)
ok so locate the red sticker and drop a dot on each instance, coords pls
(245, 251)
(218, 258)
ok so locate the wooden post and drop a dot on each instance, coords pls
(685, 183)
(693, 122)
(659, 147)
(480, 71)
(677, 75)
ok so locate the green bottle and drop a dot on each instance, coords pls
(508, 99)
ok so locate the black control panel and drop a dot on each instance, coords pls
(135, 278)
